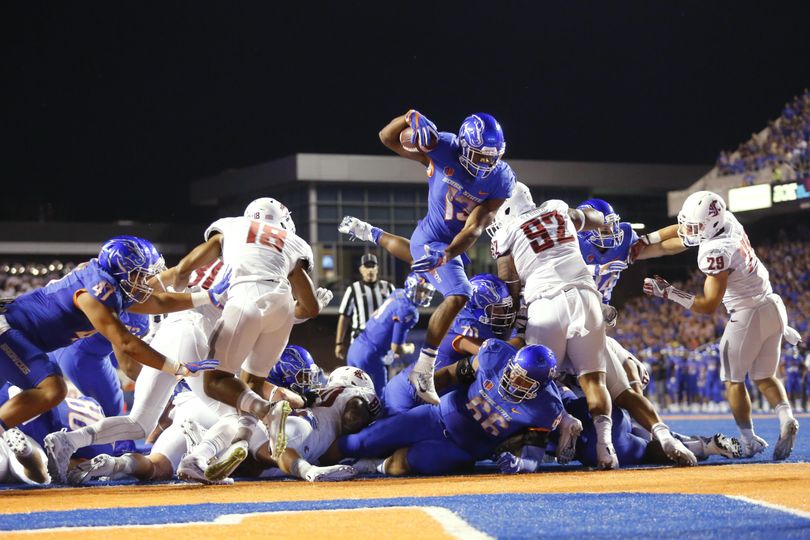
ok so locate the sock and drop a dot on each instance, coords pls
(604, 428)
(381, 466)
(376, 233)
(217, 439)
(747, 434)
(661, 432)
(107, 430)
(426, 360)
(245, 426)
(125, 464)
(784, 412)
(252, 403)
(300, 467)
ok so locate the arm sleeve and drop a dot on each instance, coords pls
(400, 332)
(492, 353)
(216, 227)
(506, 185)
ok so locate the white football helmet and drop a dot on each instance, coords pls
(519, 203)
(270, 210)
(350, 376)
(702, 216)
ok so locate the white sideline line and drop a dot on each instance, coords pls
(772, 506)
(451, 522)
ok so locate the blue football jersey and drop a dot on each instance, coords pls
(478, 418)
(49, 317)
(792, 360)
(463, 326)
(453, 193)
(390, 323)
(97, 345)
(594, 256)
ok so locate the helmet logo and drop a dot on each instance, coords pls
(714, 210)
(488, 385)
(448, 171)
(475, 131)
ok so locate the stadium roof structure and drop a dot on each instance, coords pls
(605, 178)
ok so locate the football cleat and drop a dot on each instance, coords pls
(192, 469)
(18, 443)
(59, 449)
(677, 452)
(101, 466)
(423, 384)
(193, 433)
(230, 460)
(276, 422)
(334, 473)
(569, 429)
(752, 447)
(787, 438)
(356, 229)
(728, 447)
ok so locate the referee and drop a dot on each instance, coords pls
(359, 302)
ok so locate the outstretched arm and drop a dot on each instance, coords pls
(205, 253)
(657, 244)
(478, 220)
(713, 290)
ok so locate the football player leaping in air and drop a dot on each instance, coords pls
(752, 340)
(467, 183)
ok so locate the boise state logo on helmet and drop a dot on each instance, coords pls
(491, 303)
(296, 370)
(527, 373)
(481, 144)
(131, 261)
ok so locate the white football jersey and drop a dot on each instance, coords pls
(258, 251)
(206, 316)
(748, 280)
(544, 246)
(326, 417)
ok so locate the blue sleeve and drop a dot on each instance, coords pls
(492, 353)
(104, 289)
(136, 323)
(505, 185)
(444, 149)
(400, 331)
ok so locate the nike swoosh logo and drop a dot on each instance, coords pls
(731, 320)
(514, 410)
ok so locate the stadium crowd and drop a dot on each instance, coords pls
(782, 147)
(17, 278)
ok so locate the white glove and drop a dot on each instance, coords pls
(324, 296)
(659, 287)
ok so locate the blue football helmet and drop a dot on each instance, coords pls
(481, 144)
(491, 303)
(531, 369)
(608, 235)
(131, 261)
(296, 370)
(419, 290)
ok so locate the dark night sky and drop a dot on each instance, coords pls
(106, 103)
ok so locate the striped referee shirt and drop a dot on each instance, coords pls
(360, 301)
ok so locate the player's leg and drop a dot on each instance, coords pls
(31, 461)
(94, 376)
(763, 373)
(738, 348)
(25, 366)
(384, 436)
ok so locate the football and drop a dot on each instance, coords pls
(405, 140)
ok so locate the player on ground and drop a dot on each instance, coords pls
(384, 338)
(752, 340)
(467, 183)
(508, 391)
(536, 247)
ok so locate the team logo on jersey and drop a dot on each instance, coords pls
(590, 258)
(488, 385)
(449, 171)
(714, 210)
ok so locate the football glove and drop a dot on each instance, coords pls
(661, 288)
(324, 296)
(192, 368)
(425, 133)
(219, 292)
(432, 259)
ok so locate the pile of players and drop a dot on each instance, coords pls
(515, 367)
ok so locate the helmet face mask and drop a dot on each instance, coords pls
(419, 290)
(527, 373)
(491, 303)
(481, 144)
(132, 261)
(702, 216)
(296, 370)
(609, 235)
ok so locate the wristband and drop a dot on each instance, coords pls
(654, 237)
(681, 297)
(170, 365)
(200, 298)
